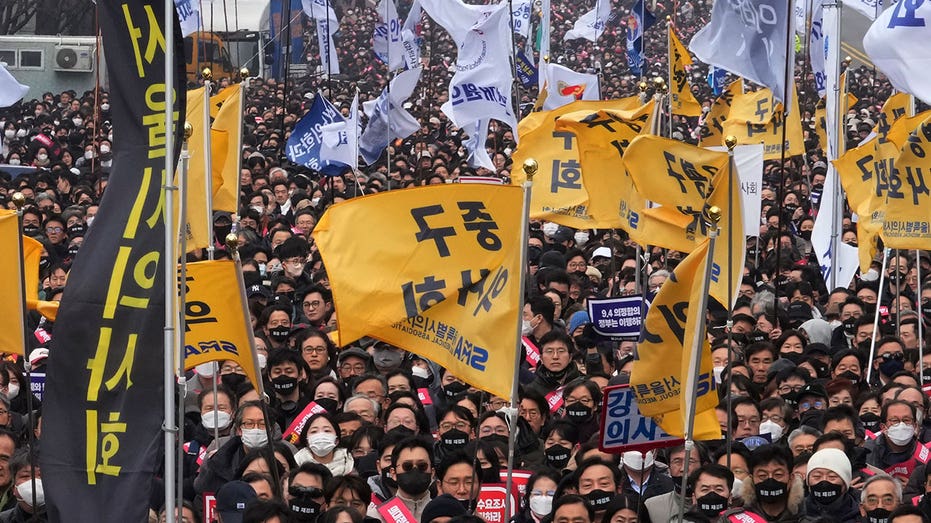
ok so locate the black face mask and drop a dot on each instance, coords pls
(284, 385)
(711, 504)
(388, 480)
(890, 367)
(558, 456)
(454, 388)
(850, 326)
(232, 381)
(303, 507)
(491, 475)
(599, 499)
(220, 231)
(878, 515)
(73, 251)
(812, 418)
(328, 404)
(414, 482)
(870, 421)
(794, 357)
(365, 465)
(578, 413)
(454, 439)
(791, 398)
(825, 492)
(497, 439)
(30, 230)
(279, 334)
(77, 228)
(850, 375)
(677, 483)
(771, 491)
(44, 263)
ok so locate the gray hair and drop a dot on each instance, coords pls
(896, 486)
(801, 431)
(375, 405)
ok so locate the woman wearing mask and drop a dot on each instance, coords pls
(275, 323)
(582, 403)
(560, 444)
(321, 437)
(329, 394)
(538, 499)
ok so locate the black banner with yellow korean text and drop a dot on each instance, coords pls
(103, 404)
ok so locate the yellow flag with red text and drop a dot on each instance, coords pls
(682, 100)
(445, 281)
(217, 324)
(664, 355)
(560, 194)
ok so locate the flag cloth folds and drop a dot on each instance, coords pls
(12, 322)
(321, 12)
(749, 39)
(670, 334)
(11, 91)
(195, 191)
(682, 100)
(341, 139)
(304, 144)
(217, 318)
(712, 132)
(906, 221)
(387, 117)
(564, 86)
(225, 140)
(887, 44)
(592, 24)
(640, 20)
(868, 8)
(386, 37)
(102, 409)
(189, 15)
(446, 272)
(757, 117)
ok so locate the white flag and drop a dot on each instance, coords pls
(481, 87)
(801, 10)
(591, 24)
(564, 86)
(409, 39)
(387, 117)
(868, 8)
(327, 26)
(341, 139)
(520, 17)
(475, 145)
(817, 47)
(748, 160)
(750, 43)
(386, 38)
(188, 15)
(11, 91)
(897, 43)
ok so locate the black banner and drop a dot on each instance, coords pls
(103, 404)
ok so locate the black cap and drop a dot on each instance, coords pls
(232, 499)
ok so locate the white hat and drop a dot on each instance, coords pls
(831, 459)
(602, 252)
(37, 355)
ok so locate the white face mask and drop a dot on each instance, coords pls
(20, 133)
(88, 155)
(42, 157)
(215, 419)
(901, 434)
(541, 505)
(205, 369)
(24, 490)
(254, 438)
(581, 238)
(526, 328)
(14, 161)
(420, 372)
(772, 428)
(104, 107)
(9, 133)
(717, 374)
(263, 359)
(549, 228)
(321, 443)
(104, 149)
(77, 122)
(12, 390)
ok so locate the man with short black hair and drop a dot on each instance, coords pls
(412, 471)
(572, 509)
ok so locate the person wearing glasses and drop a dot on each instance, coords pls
(57, 235)
(317, 307)
(556, 367)
(412, 470)
(304, 492)
(457, 477)
(889, 360)
(249, 427)
(772, 492)
(897, 451)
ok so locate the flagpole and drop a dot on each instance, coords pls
(691, 384)
(787, 97)
(840, 108)
(208, 162)
(514, 62)
(921, 339)
(670, 65)
(530, 167)
(879, 297)
(19, 200)
(545, 19)
(171, 272)
(181, 383)
(731, 142)
(244, 82)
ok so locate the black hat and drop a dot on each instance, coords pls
(442, 506)
(232, 499)
(813, 389)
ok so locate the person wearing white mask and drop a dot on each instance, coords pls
(321, 437)
(216, 416)
(248, 432)
(896, 450)
(641, 476)
(774, 421)
(29, 494)
(539, 497)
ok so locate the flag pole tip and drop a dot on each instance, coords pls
(232, 241)
(207, 74)
(19, 200)
(643, 86)
(530, 168)
(714, 214)
(188, 130)
(660, 84)
(730, 141)
(243, 74)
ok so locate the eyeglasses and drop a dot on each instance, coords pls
(576, 265)
(488, 431)
(408, 466)
(313, 350)
(775, 418)
(561, 351)
(455, 483)
(588, 402)
(54, 229)
(252, 424)
(459, 425)
(896, 421)
(312, 304)
(530, 413)
(785, 389)
(805, 405)
(349, 367)
(897, 356)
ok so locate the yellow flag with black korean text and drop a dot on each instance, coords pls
(217, 325)
(434, 270)
(559, 192)
(12, 327)
(602, 136)
(664, 354)
(756, 117)
(895, 107)
(905, 222)
(712, 132)
(682, 100)
(225, 140)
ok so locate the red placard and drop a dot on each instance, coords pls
(294, 429)
(490, 506)
(210, 507)
(395, 510)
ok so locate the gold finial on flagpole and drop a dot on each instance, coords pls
(243, 74)
(207, 74)
(714, 214)
(231, 241)
(730, 141)
(19, 200)
(660, 84)
(530, 168)
(188, 130)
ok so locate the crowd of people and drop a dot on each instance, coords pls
(824, 410)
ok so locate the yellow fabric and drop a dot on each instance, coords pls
(12, 328)
(195, 192)
(756, 117)
(682, 100)
(225, 140)
(713, 129)
(434, 270)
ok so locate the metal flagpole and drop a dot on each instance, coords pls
(691, 384)
(171, 272)
(921, 338)
(182, 298)
(731, 142)
(895, 296)
(208, 162)
(530, 169)
(840, 108)
(244, 83)
(669, 68)
(879, 298)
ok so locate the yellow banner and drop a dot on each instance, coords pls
(907, 196)
(216, 318)
(664, 354)
(682, 100)
(895, 107)
(559, 192)
(11, 267)
(195, 192)
(756, 117)
(713, 128)
(445, 281)
(225, 139)
(602, 136)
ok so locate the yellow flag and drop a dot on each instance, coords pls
(848, 100)
(713, 128)
(895, 107)
(602, 135)
(12, 326)
(821, 124)
(906, 193)
(217, 318)
(195, 192)
(445, 281)
(664, 354)
(559, 192)
(756, 117)
(217, 100)
(225, 139)
(683, 102)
